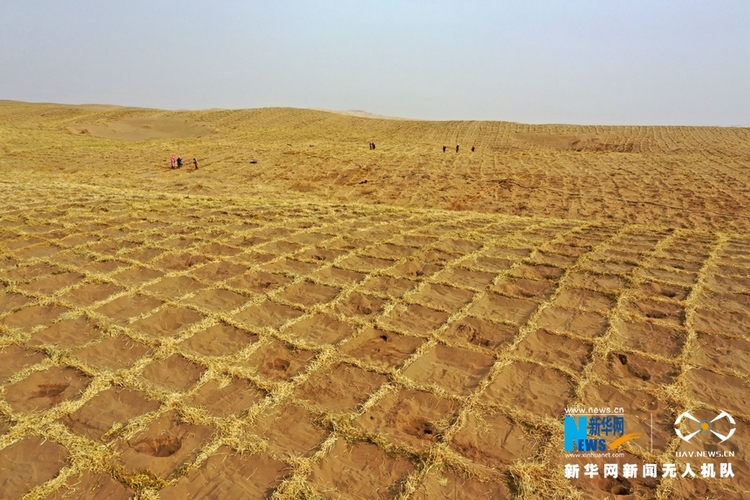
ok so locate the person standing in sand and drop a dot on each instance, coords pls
(456, 148)
(179, 162)
(472, 148)
(444, 148)
(195, 163)
(173, 161)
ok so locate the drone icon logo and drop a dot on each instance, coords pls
(705, 426)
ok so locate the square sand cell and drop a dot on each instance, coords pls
(267, 314)
(309, 294)
(635, 371)
(90, 485)
(169, 321)
(217, 300)
(585, 324)
(359, 305)
(123, 308)
(457, 371)
(524, 288)
(137, 276)
(669, 313)
(218, 340)
(28, 463)
(113, 353)
(537, 389)
(116, 405)
(90, 293)
(51, 284)
(378, 476)
(443, 297)
(289, 430)
(506, 309)
(291, 267)
(382, 348)
(721, 322)
(459, 276)
(537, 272)
(454, 485)
(175, 287)
(180, 261)
(338, 277)
(231, 399)
(227, 474)
(493, 440)
(713, 351)
(414, 319)
(174, 373)
(259, 281)
(480, 333)
(10, 301)
(277, 361)
(409, 418)
(219, 271)
(33, 316)
(492, 264)
(579, 298)
(166, 445)
(388, 286)
(650, 337)
(722, 391)
(319, 329)
(555, 349)
(390, 251)
(341, 389)
(45, 389)
(14, 358)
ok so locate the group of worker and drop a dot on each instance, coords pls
(473, 148)
(445, 148)
(177, 162)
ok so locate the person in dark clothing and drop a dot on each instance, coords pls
(179, 162)
(456, 148)
(472, 149)
(195, 163)
(444, 148)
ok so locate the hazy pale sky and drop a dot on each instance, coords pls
(670, 62)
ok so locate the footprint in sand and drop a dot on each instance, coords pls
(159, 447)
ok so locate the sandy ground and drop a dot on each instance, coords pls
(305, 318)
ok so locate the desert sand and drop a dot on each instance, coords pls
(303, 317)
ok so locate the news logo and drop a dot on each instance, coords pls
(704, 426)
(595, 433)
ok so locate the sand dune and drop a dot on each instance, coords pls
(270, 324)
(139, 129)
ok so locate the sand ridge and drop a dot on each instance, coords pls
(685, 177)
